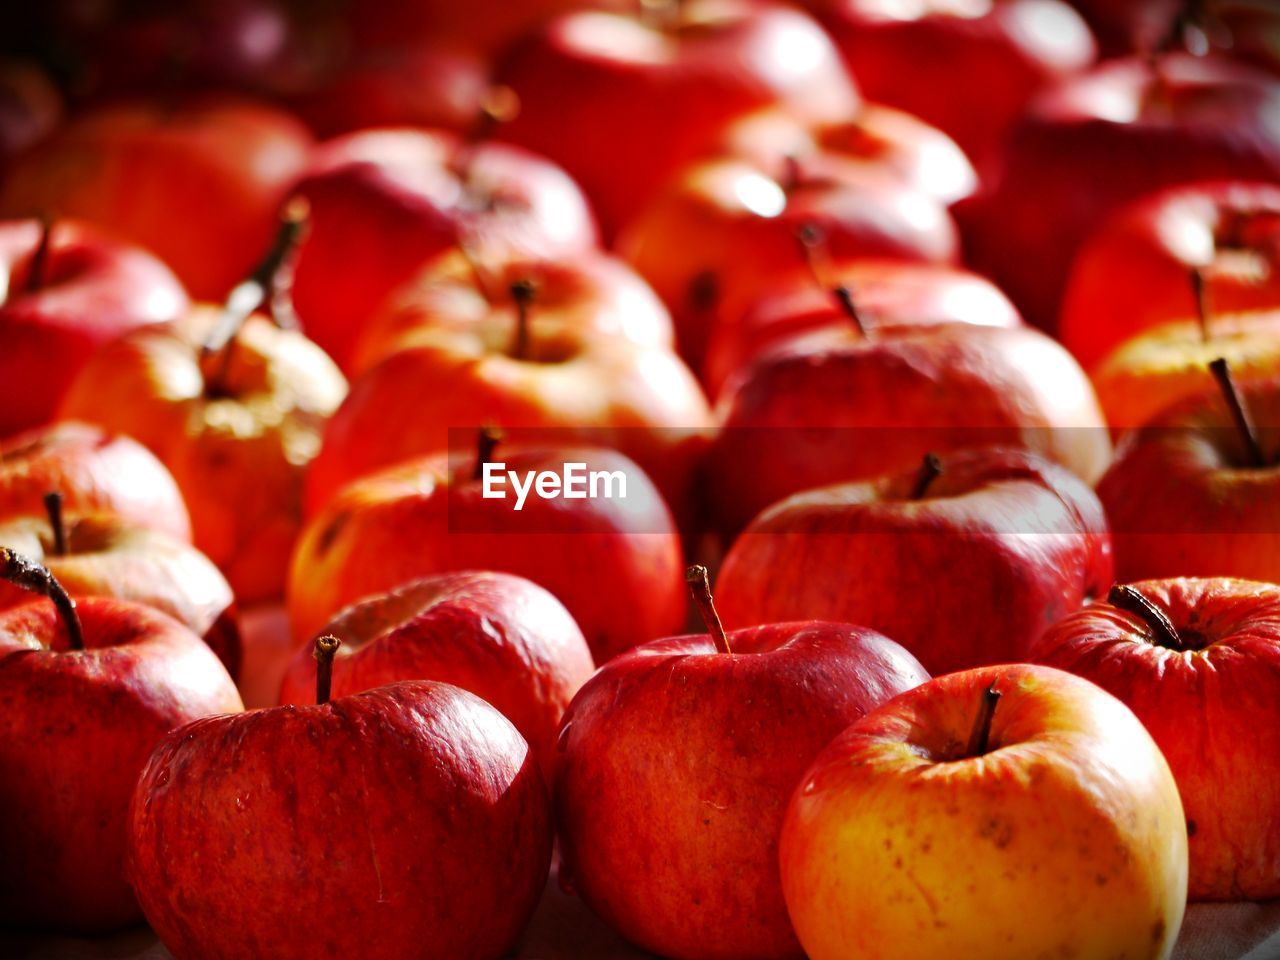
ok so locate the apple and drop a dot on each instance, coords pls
(146, 171)
(1102, 139)
(613, 561)
(1130, 26)
(989, 536)
(416, 808)
(589, 291)
(101, 555)
(30, 107)
(969, 67)
(1131, 274)
(624, 100)
(853, 402)
(487, 26)
(676, 762)
(96, 472)
(504, 638)
(1196, 660)
(1193, 492)
(69, 290)
(1005, 812)
(384, 202)
(90, 688)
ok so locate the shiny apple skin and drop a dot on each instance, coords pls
(1065, 839)
(614, 564)
(406, 821)
(76, 729)
(1134, 272)
(238, 452)
(1001, 537)
(138, 168)
(94, 289)
(504, 638)
(1209, 706)
(675, 766)
(95, 471)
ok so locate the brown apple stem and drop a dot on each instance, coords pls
(844, 297)
(40, 256)
(326, 647)
(930, 470)
(486, 442)
(1126, 598)
(813, 248)
(1200, 292)
(700, 587)
(1221, 371)
(29, 575)
(500, 105)
(980, 738)
(524, 292)
(53, 507)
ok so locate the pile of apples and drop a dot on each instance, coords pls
(943, 335)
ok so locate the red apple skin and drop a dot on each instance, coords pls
(94, 289)
(75, 731)
(384, 202)
(1000, 537)
(1134, 272)
(95, 471)
(616, 563)
(941, 58)
(138, 168)
(1103, 139)
(833, 405)
(405, 820)
(675, 766)
(623, 106)
(504, 638)
(1210, 705)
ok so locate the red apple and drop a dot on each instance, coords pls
(402, 820)
(383, 202)
(676, 762)
(1130, 26)
(90, 688)
(69, 290)
(933, 557)
(487, 26)
(504, 638)
(1198, 661)
(1004, 813)
(624, 100)
(96, 472)
(613, 561)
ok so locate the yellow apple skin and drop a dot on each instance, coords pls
(1066, 839)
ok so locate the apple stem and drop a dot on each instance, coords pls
(486, 442)
(1126, 598)
(1221, 371)
(326, 647)
(813, 247)
(844, 297)
(500, 105)
(930, 470)
(29, 575)
(1200, 292)
(980, 738)
(523, 292)
(700, 587)
(40, 256)
(53, 507)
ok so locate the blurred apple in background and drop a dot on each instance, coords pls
(69, 289)
(486, 26)
(1131, 274)
(31, 107)
(614, 562)
(90, 688)
(969, 67)
(384, 202)
(623, 100)
(996, 813)
(142, 169)
(1198, 661)
(95, 472)
(964, 561)
(1130, 26)
(504, 638)
(675, 765)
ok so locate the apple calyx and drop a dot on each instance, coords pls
(1131, 601)
(1221, 371)
(980, 737)
(326, 647)
(524, 292)
(53, 508)
(1200, 293)
(700, 588)
(487, 440)
(40, 256)
(930, 470)
(29, 575)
